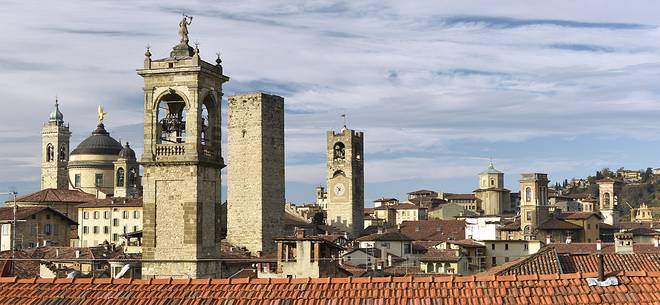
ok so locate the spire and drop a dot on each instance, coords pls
(56, 115)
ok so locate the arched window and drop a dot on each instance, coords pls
(62, 152)
(606, 200)
(132, 177)
(527, 231)
(171, 119)
(339, 151)
(528, 194)
(50, 153)
(120, 177)
(204, 125)
(492, 182)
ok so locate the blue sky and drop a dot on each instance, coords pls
(438, 87)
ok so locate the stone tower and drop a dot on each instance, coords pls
(345, 174)
(127, 174)
(608, 194)
(494, 198)
(182, 161)
(255, 174)
(533, 202)
(55, 137)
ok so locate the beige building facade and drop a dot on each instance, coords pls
(255, 187)
(106, 220)
(608, 194)
(533, 203)
(35, 227)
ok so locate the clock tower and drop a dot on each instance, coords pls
(345, 174)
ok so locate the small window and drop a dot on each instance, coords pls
(96, 230)
(588, 226)
(136, 214)
(492, 246)
(48, 229)
(85, 230)
(115, 237)
(526, 246)
(125, 214)
(125, 230)
(76, 180)
(97, 214)
(85, 215)
(506, 259)
(33, 229)
(528, 215)
(506, 246)
(135, 228)
(107, 214)
(106, 230)
(494, 261)
(115, 222)
(98, 180)
(407, 248)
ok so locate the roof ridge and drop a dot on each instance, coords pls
(389, 279)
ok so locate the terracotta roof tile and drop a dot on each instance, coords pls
(633, 288)
(55, 195)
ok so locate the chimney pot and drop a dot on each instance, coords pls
(656, 241)
(77, 253)
(547, 239)
(599, 245)
(569, 239)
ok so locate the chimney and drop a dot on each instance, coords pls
(656, 241)
(601, 267)
(623, 243)
(57, 253)
(599, 245)
(569, 239)
(300, 233)
(547, 239)
(380, 230)
(77, 253)
(389, 260)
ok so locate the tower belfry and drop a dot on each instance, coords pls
(182, 161)
(345, 177)
(55, 137)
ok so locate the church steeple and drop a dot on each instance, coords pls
(55, 137)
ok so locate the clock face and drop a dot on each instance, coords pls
(339, 189)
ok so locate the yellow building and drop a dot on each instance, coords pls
(107, 219)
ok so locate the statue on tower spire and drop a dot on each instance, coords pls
(101, 114)
(183, 28)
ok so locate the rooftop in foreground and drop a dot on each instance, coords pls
(632, 288)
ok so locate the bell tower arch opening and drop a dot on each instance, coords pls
(171, 119)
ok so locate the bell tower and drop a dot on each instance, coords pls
(55, 137)
(345, 174)
(182, 161)
(533, 203)
(608, 194)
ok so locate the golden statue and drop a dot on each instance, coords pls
(101, 114)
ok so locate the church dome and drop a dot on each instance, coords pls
(127, 153)
(490, 170)
(99, 143)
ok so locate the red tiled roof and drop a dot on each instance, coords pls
(461, 196)
(440, 255)
(399, 206)
(7, 213)
(558, 224)
(633, 288)
(55, 195)
(582, 248)
(434, 229)
(386, 236)
(543, 262)
(579, 215)
(113, 202)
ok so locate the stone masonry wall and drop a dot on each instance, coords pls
(255, 203)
